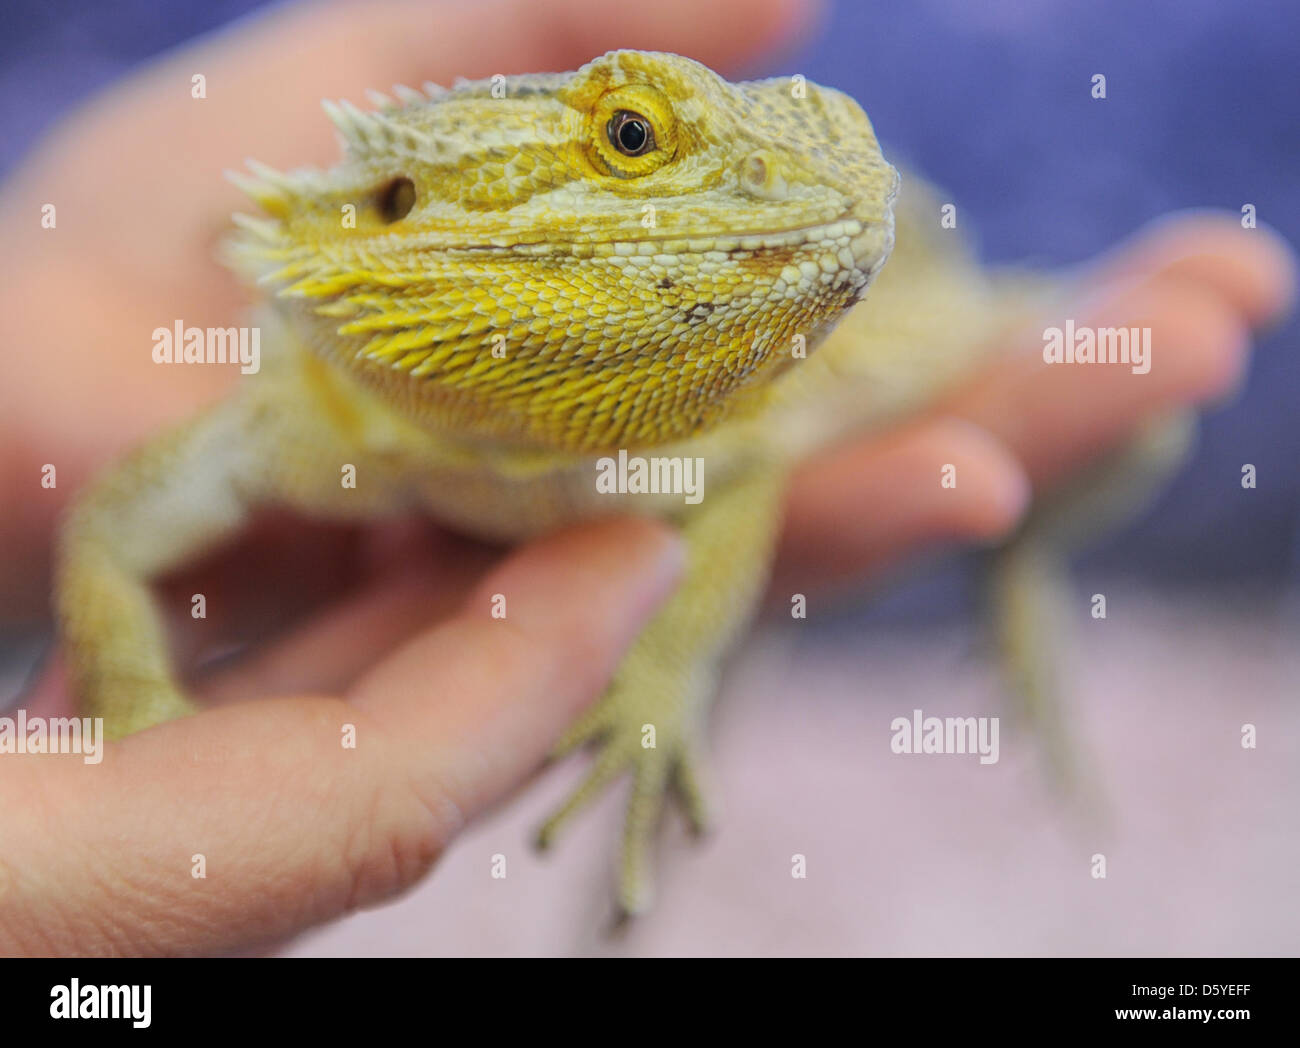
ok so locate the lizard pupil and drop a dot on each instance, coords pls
(630, 133)
(396, 199)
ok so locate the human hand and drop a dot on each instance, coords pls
(293, 825)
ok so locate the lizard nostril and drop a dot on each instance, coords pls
(396, 199)
(760, 176)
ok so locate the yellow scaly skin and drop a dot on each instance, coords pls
(652, 302)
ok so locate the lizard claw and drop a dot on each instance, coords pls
(660, 756)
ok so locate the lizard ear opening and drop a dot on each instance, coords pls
(395, 199)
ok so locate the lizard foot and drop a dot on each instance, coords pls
(130, 703)
(661, 753)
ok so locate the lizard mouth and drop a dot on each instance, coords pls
(845, 225)
(861, 237)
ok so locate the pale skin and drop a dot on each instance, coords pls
(81, 873)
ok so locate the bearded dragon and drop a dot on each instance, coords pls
(503, 283)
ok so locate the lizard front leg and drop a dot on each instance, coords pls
(172, 498)
(650, 721)
(176, 497)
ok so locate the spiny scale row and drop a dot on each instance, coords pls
(365, 134)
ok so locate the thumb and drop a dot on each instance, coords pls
(247, 823)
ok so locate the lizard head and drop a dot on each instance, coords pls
(615, 257)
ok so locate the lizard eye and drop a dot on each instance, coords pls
(630, 133)
(633, 132)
